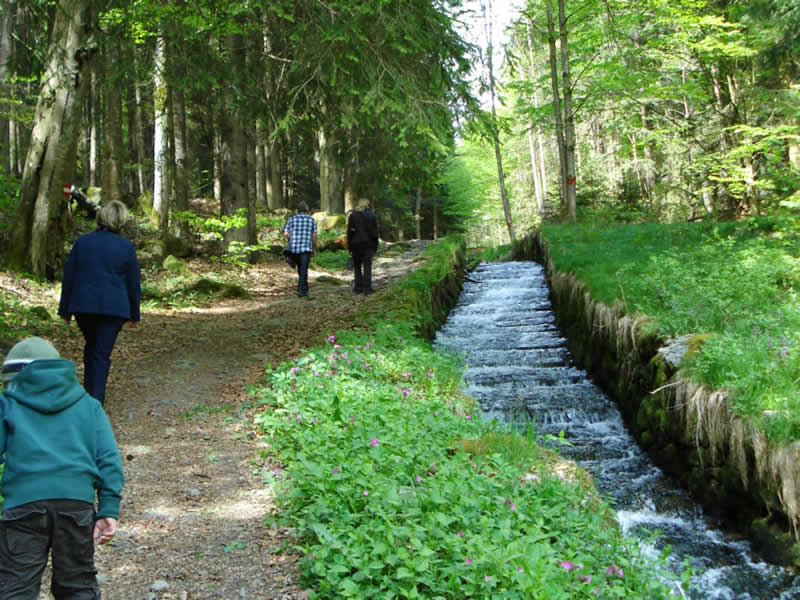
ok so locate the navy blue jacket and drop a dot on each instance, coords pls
(101, 277)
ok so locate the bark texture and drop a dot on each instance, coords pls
(39, 230)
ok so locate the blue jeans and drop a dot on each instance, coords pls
(30, 532)
(303, 260)
(100, 333)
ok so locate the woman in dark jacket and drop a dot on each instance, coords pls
(101, 288)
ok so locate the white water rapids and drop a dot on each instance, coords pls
(519, 370)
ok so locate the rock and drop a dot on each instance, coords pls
(193, 493)
(159, 586)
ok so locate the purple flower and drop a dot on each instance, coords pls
(468, 561)
(374, 442)
(419, 478)
(459, 534)
(366, 493)
(405, 391)
(334, 470)
(467, 417)
(331, 338)
(615, 570)
(406, 373)
(337, 346)
(565, 564)
(487, 578)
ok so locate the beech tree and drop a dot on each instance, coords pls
(39, 229)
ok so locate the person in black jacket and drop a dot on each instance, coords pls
(101, 289)
(362, 242)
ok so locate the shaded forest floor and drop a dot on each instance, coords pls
(195, 506)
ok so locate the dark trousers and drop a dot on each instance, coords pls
(362, 268)
(29, 533)
(100, 333)
(303, 260)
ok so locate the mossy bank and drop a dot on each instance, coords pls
(725, 461)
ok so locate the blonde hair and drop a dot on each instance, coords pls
(113, 216)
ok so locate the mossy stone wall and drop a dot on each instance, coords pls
(689, 432)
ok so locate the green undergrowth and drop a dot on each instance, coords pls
(398, 488)
(737, 283)
(182, 290)
(331, 260)
(19, 319)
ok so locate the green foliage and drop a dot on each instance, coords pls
(19, 320)
(216, 226)
(381, 468)
(738, 282)
(9, 190)
(179, 291)
(332, 260)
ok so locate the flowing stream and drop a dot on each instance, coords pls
(519, 369)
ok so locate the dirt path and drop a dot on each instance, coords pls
(194, 507)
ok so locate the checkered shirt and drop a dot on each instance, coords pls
(300, 227)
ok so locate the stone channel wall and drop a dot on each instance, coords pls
(688, 430)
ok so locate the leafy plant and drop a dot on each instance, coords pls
(398, 488)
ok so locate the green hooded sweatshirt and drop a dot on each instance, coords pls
(57, 441)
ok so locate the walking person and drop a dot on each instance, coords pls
(362, 242)
(60, 458)
(101, 289)
(301, 231)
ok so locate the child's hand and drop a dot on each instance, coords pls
(104, 529)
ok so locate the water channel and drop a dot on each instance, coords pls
(519, 368)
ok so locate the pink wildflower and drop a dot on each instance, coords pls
(374, 442)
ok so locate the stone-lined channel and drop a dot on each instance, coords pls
(519, 370)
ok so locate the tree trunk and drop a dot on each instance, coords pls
(537, 164)
(37, 237)
(161, 183)
(350, 185)
(141, 152)
(435, 219)
(327, 172)
(418, 213)
(234, 155)
(274, 189)
(5, 57)
(495, 133)
(95, 119)
(181, 203)
(261, 166)
(559, 125)
(569, 119)
(113, 155)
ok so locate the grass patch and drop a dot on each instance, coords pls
(330, 260)
(736, 283)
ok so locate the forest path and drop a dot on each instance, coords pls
(192, 523)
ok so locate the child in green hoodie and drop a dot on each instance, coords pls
(60, 456)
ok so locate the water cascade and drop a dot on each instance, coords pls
(519, 369)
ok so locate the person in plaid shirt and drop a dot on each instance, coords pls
(301, 231)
